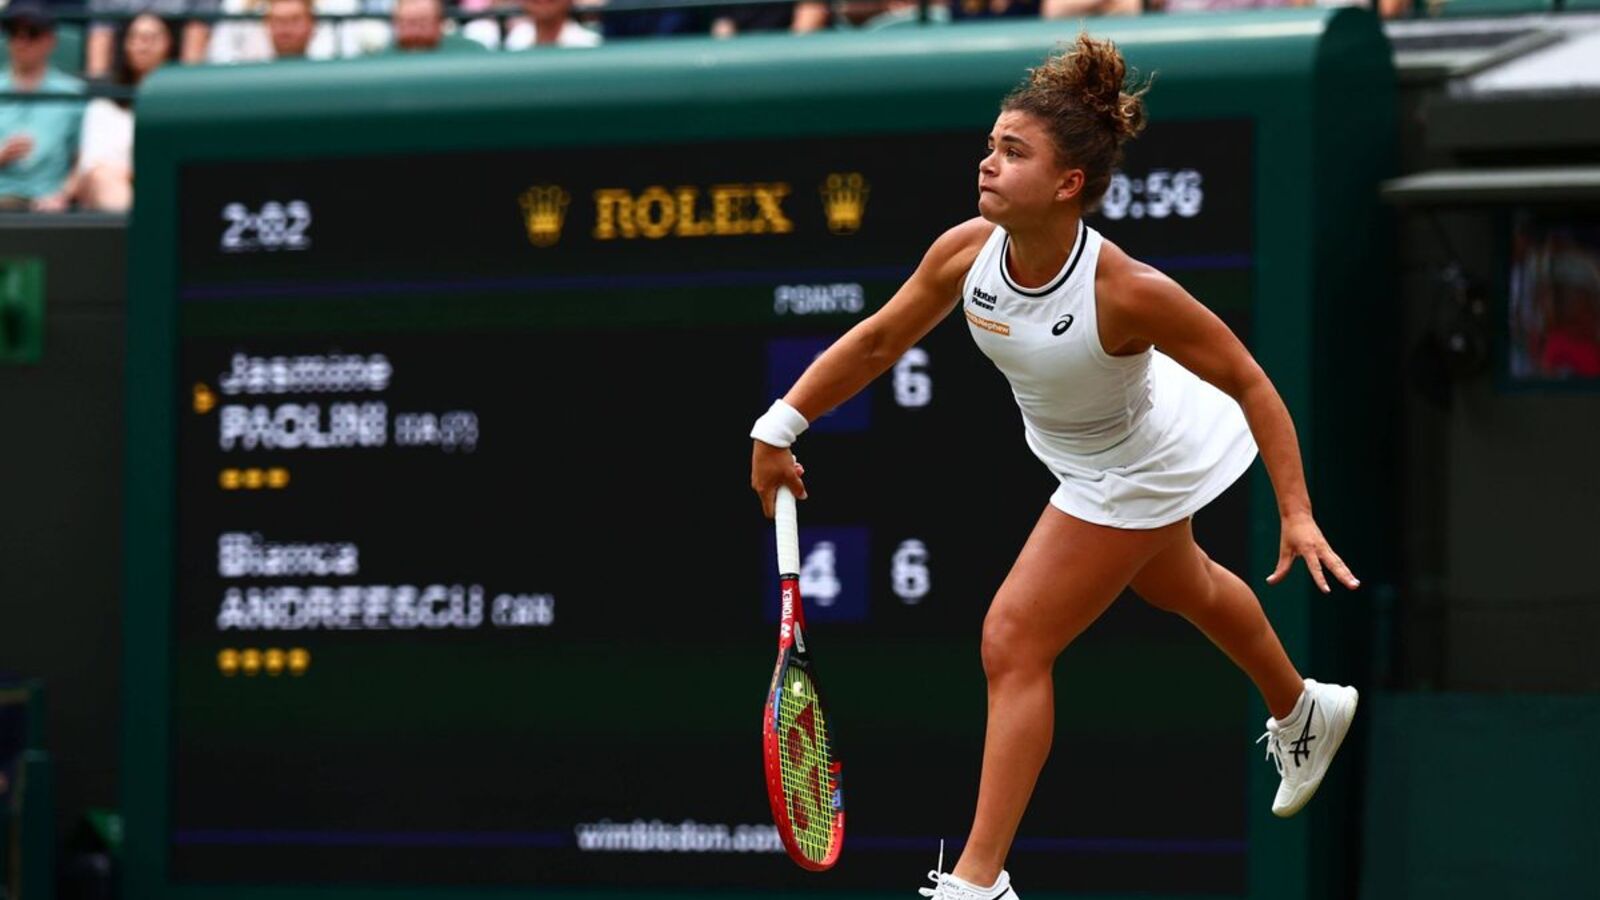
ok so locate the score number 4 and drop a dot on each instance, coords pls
(908, 573)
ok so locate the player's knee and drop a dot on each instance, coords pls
(1008, 643)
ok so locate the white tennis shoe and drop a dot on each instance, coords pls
(949, 887)
(1303, 745)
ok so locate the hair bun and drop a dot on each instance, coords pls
(1093, 74)
(1081, 95)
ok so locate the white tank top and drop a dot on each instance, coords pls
(1077, 401)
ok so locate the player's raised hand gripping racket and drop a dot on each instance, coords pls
(802, 768)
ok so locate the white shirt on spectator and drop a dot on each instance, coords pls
(1182, 6)
(352, 38)
(239, 41)
(107, 136)
(572, 34)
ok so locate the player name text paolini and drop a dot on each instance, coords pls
(307, 426)
(293, 426)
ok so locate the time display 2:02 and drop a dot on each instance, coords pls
(275, 226)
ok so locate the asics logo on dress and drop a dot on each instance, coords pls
(982, 298)
(1061, 326)
(1298, 748)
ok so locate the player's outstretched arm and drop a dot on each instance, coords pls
(1141, 306)
(870, 348)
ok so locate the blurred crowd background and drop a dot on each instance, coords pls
(72, 72)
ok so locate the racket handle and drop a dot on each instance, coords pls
(788, 525)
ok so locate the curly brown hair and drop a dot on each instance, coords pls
(1089, 109)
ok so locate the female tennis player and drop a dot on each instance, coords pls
(1139, 439)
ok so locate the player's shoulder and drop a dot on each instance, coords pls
(955, 251)
(1124, 281)
(968, 237)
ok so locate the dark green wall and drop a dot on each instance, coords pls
(61, 497)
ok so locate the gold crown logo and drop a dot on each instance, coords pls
(544, 209)
(844, 199)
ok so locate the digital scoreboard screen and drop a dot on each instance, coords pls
(472, 589)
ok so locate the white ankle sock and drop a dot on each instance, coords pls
(978, 887)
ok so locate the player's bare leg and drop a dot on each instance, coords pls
(1068, 572)
(1183, 580)
(1309, 719)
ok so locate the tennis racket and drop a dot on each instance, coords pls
(802, 768)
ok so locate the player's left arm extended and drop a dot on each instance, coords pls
(1150, 308)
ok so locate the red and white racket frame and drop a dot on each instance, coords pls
(792, 651)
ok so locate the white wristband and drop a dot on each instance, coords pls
(780, 425)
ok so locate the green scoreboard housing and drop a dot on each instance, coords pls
(444, 579)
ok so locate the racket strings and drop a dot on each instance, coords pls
(804, 764)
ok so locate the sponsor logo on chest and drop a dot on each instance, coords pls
(982, 298)
(988, 325)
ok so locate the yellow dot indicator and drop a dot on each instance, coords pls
(299, 661)
(273, 661)
(252, 478)
(277, 478)
(229, 479)
(250, 661)
(204, 400)
(797, 688)
(228, 662)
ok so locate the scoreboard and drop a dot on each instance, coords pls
(471, 581)
(468, 589)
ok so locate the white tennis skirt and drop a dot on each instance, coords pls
(1192, 445)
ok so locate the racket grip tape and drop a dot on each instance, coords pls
(788, 526)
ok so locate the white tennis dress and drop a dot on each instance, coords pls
(1136, 441)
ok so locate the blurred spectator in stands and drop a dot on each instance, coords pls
(419, 28)
(193, 35)
(290, 25)
(1185, 6)
(652, 22)
(242, 40)
(38, 138)
(353, 37)
(961, 10)
(484, 30)
(103, 177)
(548, 23)
(801, 17)
(1068, 9)
(1387, 8)
(418, 25)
